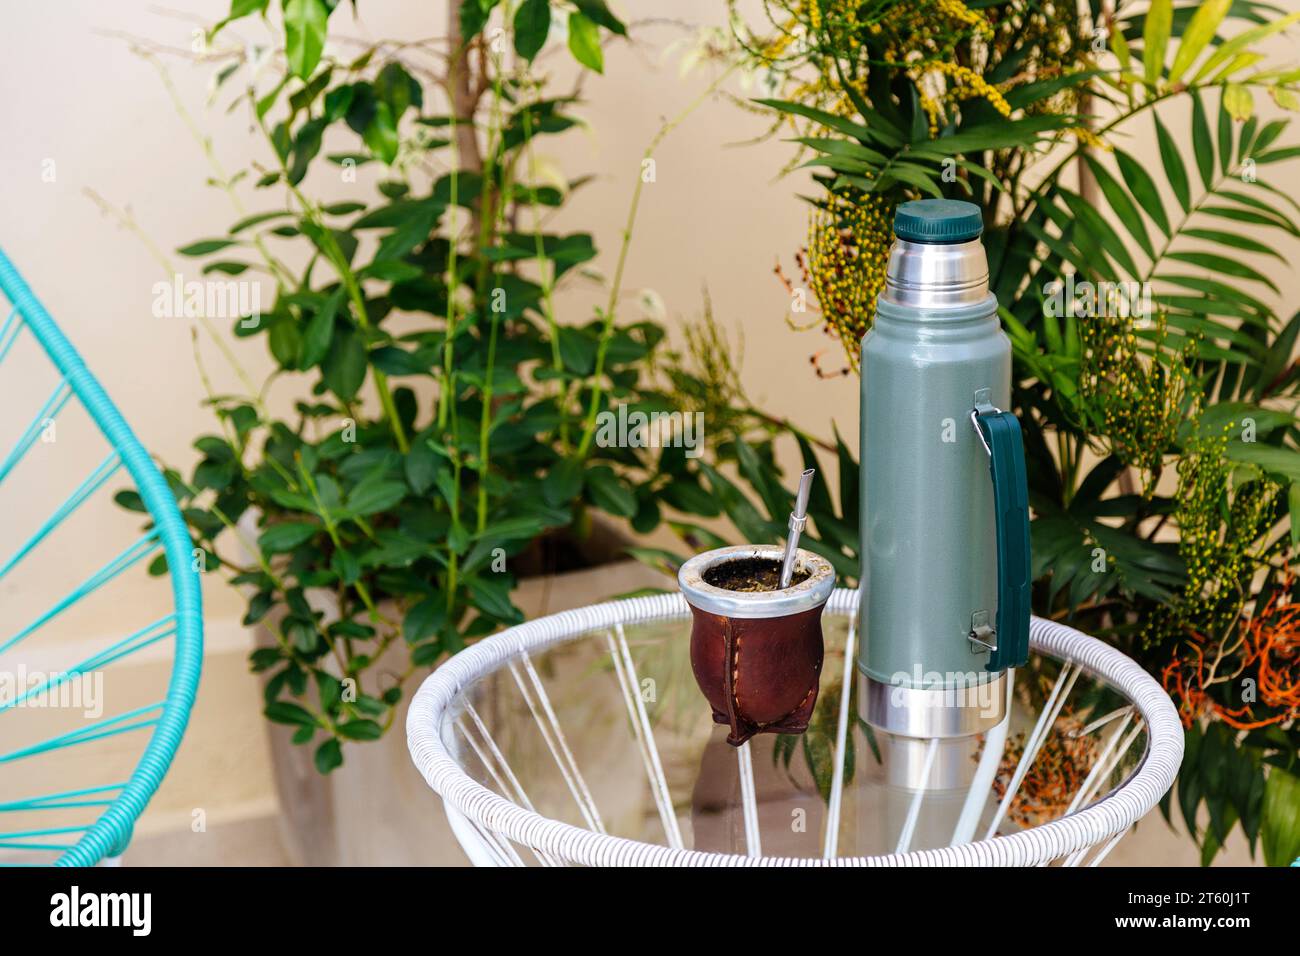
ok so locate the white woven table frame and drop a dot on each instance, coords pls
(489, 826)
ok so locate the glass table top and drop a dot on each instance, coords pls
(558, 732)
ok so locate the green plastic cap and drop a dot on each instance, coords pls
(938, 221)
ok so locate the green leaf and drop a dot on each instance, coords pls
(584, 42)
(304, 34)
(259, 605)
(474, 17)
(1202, 145)
(1121, 204)
(848, 480)
(597, 11)
(424, 619)
(305, 147)
(303, 98)
(1239, 104)
(330, 689)
(563, 482)
(285, 536)
(266, 101)
(1143, 188)
(1271, 220)
(398, 89)
(130, 500)
(686, 496)
(1277, 155)
(346, 565)
(1155, 40)
(343, 208)
(1189, 780)
(663, 561)
(1235, 241)
(329, 756)
(1282, 462)
(1197, 34)
(1293, 508)
(1267, 136)
(858, 156)
(426, 654)
(776, 500)
(1280, 828)
(242, 8)
(344, 368)
(238, 10)
(1225, 135)
(285, 341)
(375, 495)
(206, 246)
(226, 268)
(286, 712)
(381, 134)
(1215, 419)
(578, 350)
(360, 730)
(1175, 171)
(747, 519)
(1279, 356)
(609, 493)
(1222, 264)
(883, 134)
(1027, 94)
(532, 23)
(1004, 134)
(492, 596)
(1241, 41)
(320, 330)
(260, 217)
(1100, 231)
(910, 174)
(517, 528)
(422, 466)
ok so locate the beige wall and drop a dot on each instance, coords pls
(76, 95)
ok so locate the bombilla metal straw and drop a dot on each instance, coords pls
(798, 518)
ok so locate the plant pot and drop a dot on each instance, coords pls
(757, 655)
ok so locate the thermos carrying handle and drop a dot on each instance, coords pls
(999, 432)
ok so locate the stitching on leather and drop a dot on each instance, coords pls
(735, 676)
(729, 675)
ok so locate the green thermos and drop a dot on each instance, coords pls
(945, 517)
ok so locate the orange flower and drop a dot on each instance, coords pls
(1269, 654)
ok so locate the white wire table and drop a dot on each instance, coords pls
(581, 738)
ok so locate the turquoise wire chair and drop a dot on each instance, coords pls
(94, 820)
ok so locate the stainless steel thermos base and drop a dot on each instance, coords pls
(930, 739)
(910, 766)
(958, 711)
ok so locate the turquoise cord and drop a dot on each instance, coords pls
(110, 833)
(108, 727)
(62, 799)
(132, 555)
(88, 487)
(8, 337)
(127, 645)
(53, 405)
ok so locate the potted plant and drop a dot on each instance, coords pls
(453, 431)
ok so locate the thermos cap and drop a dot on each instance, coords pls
(938, 221)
